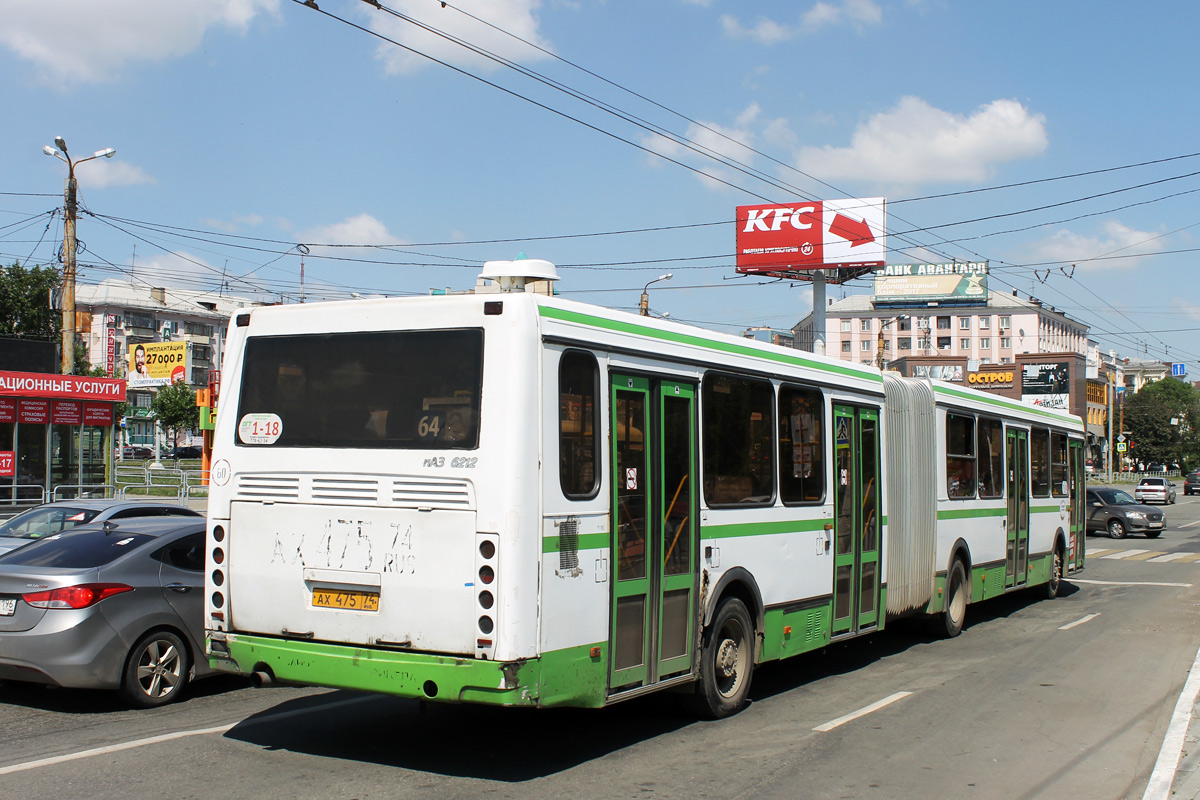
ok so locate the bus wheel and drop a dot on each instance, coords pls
(726, 662)
(949, 623)
(1055, 582)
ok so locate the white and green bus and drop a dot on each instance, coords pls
(506, 497)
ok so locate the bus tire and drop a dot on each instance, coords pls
(1056, 570)
(726, 662)
(949, 623)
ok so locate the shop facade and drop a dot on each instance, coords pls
(56, 431)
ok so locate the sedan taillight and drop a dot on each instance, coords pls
(81, 596)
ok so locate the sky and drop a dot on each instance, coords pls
(394, 149)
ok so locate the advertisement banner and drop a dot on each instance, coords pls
(956, 281)
(809, 235)
(67, 387)
(66, 412)
(110, 355)
(33, 412)
(1047, 385)
(98, 414)
(8, 463)
(156, 364)
(8, 409)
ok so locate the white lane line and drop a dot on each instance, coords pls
(1165, 767)
(1070, 625)
(1189, 524)
(167, 737)
(1126, 553)
(1129, 583)
(1167, 557)
(862, 712)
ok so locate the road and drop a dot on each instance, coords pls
(1070, 698)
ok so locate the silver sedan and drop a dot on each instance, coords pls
(116, 605)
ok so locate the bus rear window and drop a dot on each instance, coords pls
(383, 389)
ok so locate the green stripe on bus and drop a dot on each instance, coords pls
(972, 513)
(1044, 509)
(761, 528)
(697, 341)
(587, 541)
(1006, 403)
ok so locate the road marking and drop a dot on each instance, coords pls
(1145, 555)
(1100, 552)
(167, 737)
(1165, 767)
(862, 712)
(1125, 553)
(1189, 524)
(1168, 557)
(1130, 583)
(1070, 625)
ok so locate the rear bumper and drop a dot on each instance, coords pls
(570, 677)
(74, 649)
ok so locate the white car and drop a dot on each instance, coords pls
(1158, 490)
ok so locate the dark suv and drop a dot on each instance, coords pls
(1191, 484)
(1114, 512)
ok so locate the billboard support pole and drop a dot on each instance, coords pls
(819, 304)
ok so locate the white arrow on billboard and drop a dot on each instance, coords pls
(855, 231)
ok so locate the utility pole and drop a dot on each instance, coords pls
(68, 288)
(69, 243)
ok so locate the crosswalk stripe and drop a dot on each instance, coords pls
(1144, 556)
(1168, 557)
(1102, 551)
(1124, 553)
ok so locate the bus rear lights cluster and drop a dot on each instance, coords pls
(217, 577)
(486, 598)
(218, 600)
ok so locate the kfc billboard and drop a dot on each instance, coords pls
(807, 235)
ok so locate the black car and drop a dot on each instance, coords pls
(1191, 484)
(185, 452)
(1114, 512)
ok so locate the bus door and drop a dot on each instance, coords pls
(857, 527)
(654, 550)
(1075, 555)
(1016, 559)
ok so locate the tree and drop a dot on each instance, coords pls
(1148, 416)
(175, 406)
(25, 311)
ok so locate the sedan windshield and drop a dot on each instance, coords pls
(39, 522)
(1115, 497)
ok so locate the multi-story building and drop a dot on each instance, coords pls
(994, 330)
(116, 316)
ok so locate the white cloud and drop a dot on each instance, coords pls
(858, 14)
(104, 172)
(236, 223)
(89, 41)
(362, 229)
(517, 17)
(1115, 239)
(916, 143)
(732, 143)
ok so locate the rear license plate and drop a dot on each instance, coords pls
(8, 606)
(341, 598)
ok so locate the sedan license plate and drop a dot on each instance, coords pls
(8, 606)
(349, 600)
(1156, 524)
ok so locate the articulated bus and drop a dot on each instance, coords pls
(511, 498)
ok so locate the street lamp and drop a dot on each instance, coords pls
(879, 346)
(645, 304)
(68, 295)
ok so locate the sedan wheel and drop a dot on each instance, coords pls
(156, 671)
(1116, 530)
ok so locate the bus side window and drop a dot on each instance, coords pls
(991, 458)
(1039, 461)
(801, 445)
(578, 446)
(960, 455)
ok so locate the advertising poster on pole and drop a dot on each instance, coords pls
(153, 364)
